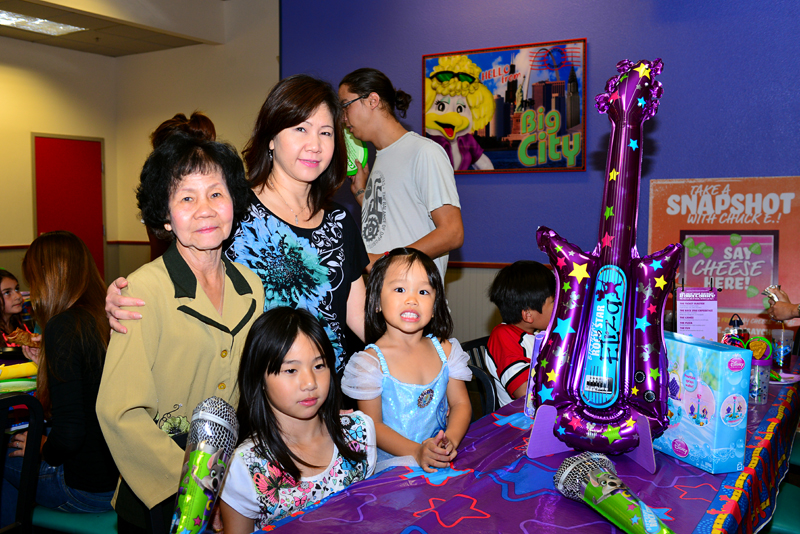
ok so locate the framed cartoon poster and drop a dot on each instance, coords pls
(509, 109)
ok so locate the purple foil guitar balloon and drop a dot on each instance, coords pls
(604, 353)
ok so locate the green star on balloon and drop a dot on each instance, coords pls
(654, 374)
(612, 434)
(559, 248)
(609, 212)
(543, 363)
(566, 286)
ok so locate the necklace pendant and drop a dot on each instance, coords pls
(296, 222)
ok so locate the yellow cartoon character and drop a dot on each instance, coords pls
(458, 104)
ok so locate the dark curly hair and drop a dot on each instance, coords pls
(176, 157)
(270, 338)
(290, 102)
(440, 326)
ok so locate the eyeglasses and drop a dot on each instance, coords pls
(446, 76)
(344, 105)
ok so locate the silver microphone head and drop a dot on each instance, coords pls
(214, 421)
(575, 468)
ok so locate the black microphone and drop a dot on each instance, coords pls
(213, 432)
(590, 477)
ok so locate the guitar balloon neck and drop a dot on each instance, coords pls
(617, 234)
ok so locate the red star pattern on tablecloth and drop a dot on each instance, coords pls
(435, 502)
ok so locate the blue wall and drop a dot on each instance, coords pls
(730, 105)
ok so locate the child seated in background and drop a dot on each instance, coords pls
(524, 293)
(11, 302)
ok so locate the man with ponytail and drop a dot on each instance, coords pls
(410, 198)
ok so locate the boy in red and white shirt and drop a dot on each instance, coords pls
(523, 292)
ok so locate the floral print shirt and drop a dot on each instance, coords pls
(310, 268)
(258, 489)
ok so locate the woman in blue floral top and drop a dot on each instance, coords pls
(306, 249)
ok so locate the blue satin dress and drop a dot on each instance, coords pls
(414, 411)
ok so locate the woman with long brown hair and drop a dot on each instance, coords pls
(77, 473)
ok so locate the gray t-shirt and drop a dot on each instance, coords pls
(410, 178)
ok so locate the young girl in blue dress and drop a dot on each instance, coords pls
(410, 379)
(295, 447)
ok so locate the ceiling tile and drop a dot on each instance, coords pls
(131, 46)
(102, 36)
(92, 48)
(148, 35)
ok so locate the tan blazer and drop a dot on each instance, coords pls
(180, 353)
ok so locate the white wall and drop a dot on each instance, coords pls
(227, 82)
(473, 314)
(54, 91)
(50, 90)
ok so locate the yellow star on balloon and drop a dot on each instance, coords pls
(613, 175)
(660, 282)
(630, 422)
(579, 271)
(635, 390)
(642, 70)
(551, 376)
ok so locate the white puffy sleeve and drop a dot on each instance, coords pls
(363, 379)
(457, 362)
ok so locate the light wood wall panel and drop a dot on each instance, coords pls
(467, 294)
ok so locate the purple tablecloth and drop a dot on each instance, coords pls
(494, 487)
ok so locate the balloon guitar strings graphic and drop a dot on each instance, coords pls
(604, 357)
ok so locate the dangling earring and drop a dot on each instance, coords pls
(270, 155)
(378, 309)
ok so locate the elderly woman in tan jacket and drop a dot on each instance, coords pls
(187, 345)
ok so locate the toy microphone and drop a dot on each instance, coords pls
(590, 477)
(212, 439)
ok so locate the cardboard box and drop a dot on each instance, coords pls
(708, 386)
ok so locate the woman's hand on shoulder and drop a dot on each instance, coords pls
(115, 302)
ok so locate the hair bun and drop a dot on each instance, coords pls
(402, 101)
